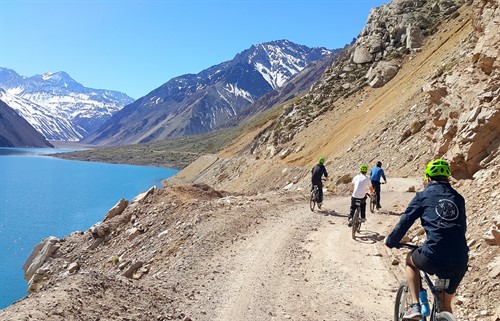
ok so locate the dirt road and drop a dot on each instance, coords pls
(303, 265)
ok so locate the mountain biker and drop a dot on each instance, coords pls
(441, 210)
(317, 173)
(375, 174)
(359, 186)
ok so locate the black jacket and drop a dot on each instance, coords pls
(441, 210)
(317, 172)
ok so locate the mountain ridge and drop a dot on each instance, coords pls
(194, 104)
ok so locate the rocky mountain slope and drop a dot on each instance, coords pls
(239, 243)
(15, 131)
(57, 106)
(210, 100)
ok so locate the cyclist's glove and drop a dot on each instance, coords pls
(391, 244)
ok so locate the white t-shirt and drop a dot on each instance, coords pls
(361, 185)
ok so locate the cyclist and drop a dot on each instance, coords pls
(375, 174)
(317, 173)
(360, 184)
(441, 210)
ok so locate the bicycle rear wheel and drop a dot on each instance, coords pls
(445, 316)
(355, 223)
(312, 201)
(373, 202)
(402, 301)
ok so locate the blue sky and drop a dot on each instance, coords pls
(135, 46)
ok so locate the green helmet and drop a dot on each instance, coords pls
(363, 168)
(321, 160)
(437, 167)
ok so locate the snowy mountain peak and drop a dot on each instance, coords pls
(58, 106)
(279, 60)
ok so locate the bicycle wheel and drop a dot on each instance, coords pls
(444, 316)
(373, 202)
(312, 201)
(402, 298)
(355, 222)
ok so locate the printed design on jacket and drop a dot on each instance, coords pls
(447, 210)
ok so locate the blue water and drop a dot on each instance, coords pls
(43, 196)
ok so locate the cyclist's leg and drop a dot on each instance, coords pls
(320, 192)
(352, 208)
(376, 187)
(412, 278)
(363, 210)
(455, 278)
(446, 302)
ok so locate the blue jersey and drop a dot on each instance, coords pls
(376, 173)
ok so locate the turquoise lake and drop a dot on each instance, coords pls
(43, 196)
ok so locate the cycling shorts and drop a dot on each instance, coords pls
(454, 273)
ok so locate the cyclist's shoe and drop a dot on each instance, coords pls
(413, 312)
(319, 205)
(349, 222)
(379, 207)
(363, 220)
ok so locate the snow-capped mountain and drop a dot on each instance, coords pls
(209, 100)
(15, 131)
(57, 106)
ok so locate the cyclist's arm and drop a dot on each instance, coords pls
(413, 211)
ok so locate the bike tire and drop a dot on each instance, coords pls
(372, 204)
(444, 316)
(312, 201)
(402, 297)
(355, 222)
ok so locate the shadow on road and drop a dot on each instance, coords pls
(328, 212)
(369, 237)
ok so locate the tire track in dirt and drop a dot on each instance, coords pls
(303, 265)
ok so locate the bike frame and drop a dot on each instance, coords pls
(314, 196)
(436, 314)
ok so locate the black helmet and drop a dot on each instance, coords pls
(379, 164)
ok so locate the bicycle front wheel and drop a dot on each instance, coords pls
(312, 201)
(445, 316)
(402, 301)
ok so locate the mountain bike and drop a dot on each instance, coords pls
(356, 218)
(403, 296)
(314, 197)
(313, 200)
(373, 200)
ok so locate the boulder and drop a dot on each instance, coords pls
(140, 197)
(117, 209)
(39, 255)
(414, 37)
(381, 73)
(362, 55)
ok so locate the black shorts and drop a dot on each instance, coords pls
(454, 273)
